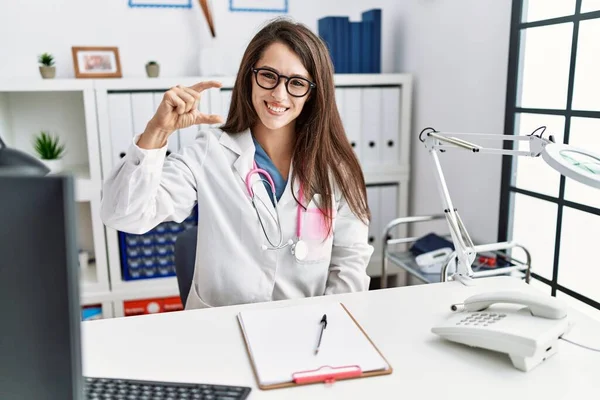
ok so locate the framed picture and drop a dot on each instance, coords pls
(161, 3)
(96, 62)
(273, 6)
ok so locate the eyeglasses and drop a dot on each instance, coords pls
(295, 86)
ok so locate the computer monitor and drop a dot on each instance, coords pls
(40, 347)
(40, 343)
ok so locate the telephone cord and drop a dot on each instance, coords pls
(579, 344)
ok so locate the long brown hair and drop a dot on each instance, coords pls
(322, 149)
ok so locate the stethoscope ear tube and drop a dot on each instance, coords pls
(262, 225)
(300, 249)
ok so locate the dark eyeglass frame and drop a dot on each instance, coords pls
(311, 85)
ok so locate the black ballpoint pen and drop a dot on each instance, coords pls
(323, 326)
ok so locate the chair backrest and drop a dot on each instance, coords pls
(185, 260)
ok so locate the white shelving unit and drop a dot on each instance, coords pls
(98, 119)
(66, 108)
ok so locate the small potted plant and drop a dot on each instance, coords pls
(152, 69)
(47, 68)
(50, 151)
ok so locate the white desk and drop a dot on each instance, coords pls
(206, 346)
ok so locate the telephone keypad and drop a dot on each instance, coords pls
(481, 319)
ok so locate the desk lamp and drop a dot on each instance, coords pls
(572, 162)
(13, 160)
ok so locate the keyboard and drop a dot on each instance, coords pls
(128, 389)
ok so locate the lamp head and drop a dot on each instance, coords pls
(15, 161)
(573, 162)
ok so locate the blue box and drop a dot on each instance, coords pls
(89, 313)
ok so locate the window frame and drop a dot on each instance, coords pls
(511, 111)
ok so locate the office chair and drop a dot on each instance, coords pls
(185, 260)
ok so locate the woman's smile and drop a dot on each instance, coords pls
(275, 109)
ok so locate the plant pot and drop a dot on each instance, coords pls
(55, 166)
(152, 70)
(47, 72)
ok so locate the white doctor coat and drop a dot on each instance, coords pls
(146, 188)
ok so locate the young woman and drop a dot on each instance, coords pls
(281, 196)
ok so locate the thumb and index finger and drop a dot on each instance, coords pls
(202, 118)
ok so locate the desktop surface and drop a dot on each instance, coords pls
(207, 346)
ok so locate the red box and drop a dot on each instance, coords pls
(152, 306)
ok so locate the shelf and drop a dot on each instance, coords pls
(371, 79)
(159, 84)
(405, 260)
(44, 85)
(90, 297)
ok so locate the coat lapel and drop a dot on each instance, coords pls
(242, 145)
(289, 192)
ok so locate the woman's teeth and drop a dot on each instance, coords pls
(276, 109)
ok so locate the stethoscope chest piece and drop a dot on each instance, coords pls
(300, 250)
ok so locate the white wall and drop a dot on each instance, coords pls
(173, 37)
(457, 50)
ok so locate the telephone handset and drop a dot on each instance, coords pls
(540, 306)
(529, 334)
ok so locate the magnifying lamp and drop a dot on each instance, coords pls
(572, 162)
(13, 160)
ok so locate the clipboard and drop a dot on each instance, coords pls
(277, 353)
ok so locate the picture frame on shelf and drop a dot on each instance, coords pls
(96, 62)
(269, 6)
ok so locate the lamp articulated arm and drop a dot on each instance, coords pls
(465, 251)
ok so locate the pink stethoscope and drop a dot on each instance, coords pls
(298, 249)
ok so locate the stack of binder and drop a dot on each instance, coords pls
(354, 47)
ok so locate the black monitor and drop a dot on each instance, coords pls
(40, 347)
(40, 342)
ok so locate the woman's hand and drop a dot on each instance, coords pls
(177, 110)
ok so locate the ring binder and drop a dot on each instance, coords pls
(326, 374)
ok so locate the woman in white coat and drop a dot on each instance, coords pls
(302, 234)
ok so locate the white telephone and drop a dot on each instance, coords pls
(528, 335)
